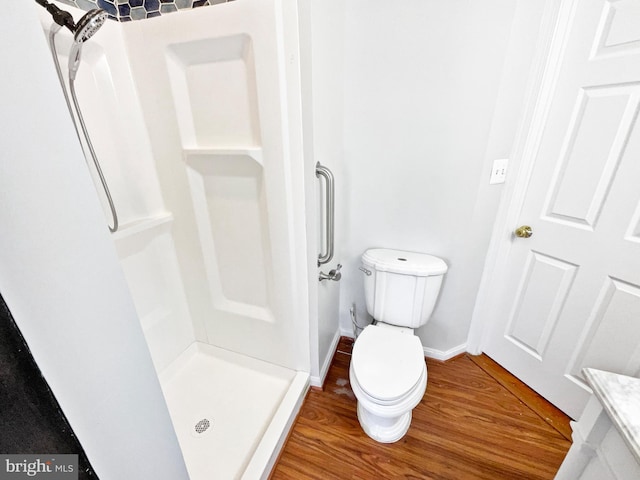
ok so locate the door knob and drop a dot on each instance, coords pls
(523, 232)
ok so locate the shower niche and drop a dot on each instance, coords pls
(230, 204)
(213, 82)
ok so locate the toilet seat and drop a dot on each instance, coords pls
(388, 365)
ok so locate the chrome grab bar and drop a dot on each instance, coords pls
(329, 197)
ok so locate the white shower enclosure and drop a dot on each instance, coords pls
(213, 86)
(196, 119)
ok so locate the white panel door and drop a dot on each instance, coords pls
(569, 296)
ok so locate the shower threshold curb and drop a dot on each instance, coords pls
(266, 454)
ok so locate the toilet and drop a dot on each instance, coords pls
(388, 373)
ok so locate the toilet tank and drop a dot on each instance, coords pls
(403, 286)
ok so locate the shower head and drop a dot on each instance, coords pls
(89, 24)
(86, 28)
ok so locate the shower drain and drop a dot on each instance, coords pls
(202, 427)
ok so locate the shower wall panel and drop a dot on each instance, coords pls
(144, 241)
(152, 272)
(231, 211)
(107, 102)
(213, 84)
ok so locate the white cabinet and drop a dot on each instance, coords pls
(605, 441)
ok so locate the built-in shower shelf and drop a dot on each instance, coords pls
(142, 226)
(196, 155)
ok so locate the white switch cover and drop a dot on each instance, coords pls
(499, 171)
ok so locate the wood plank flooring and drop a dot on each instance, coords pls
(468, 426)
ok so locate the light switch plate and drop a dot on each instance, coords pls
(499, 171)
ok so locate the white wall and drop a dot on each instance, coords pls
(428, 105)
(321, 27)
(60, 277)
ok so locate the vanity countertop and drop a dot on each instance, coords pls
(620, 397)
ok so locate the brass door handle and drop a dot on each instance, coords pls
(523, 232)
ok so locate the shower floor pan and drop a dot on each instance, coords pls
(231, 413)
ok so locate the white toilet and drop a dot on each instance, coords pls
(388, 372)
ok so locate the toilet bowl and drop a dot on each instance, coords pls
(388, 376)
(388, 372)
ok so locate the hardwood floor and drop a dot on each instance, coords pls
(468, 426)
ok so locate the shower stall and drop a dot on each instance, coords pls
(196, 119)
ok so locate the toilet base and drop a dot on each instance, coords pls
(383, 429)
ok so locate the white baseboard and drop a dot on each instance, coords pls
(346, 333)
(318, 381)
(444, 355)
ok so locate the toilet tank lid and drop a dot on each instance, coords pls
(407, 263)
